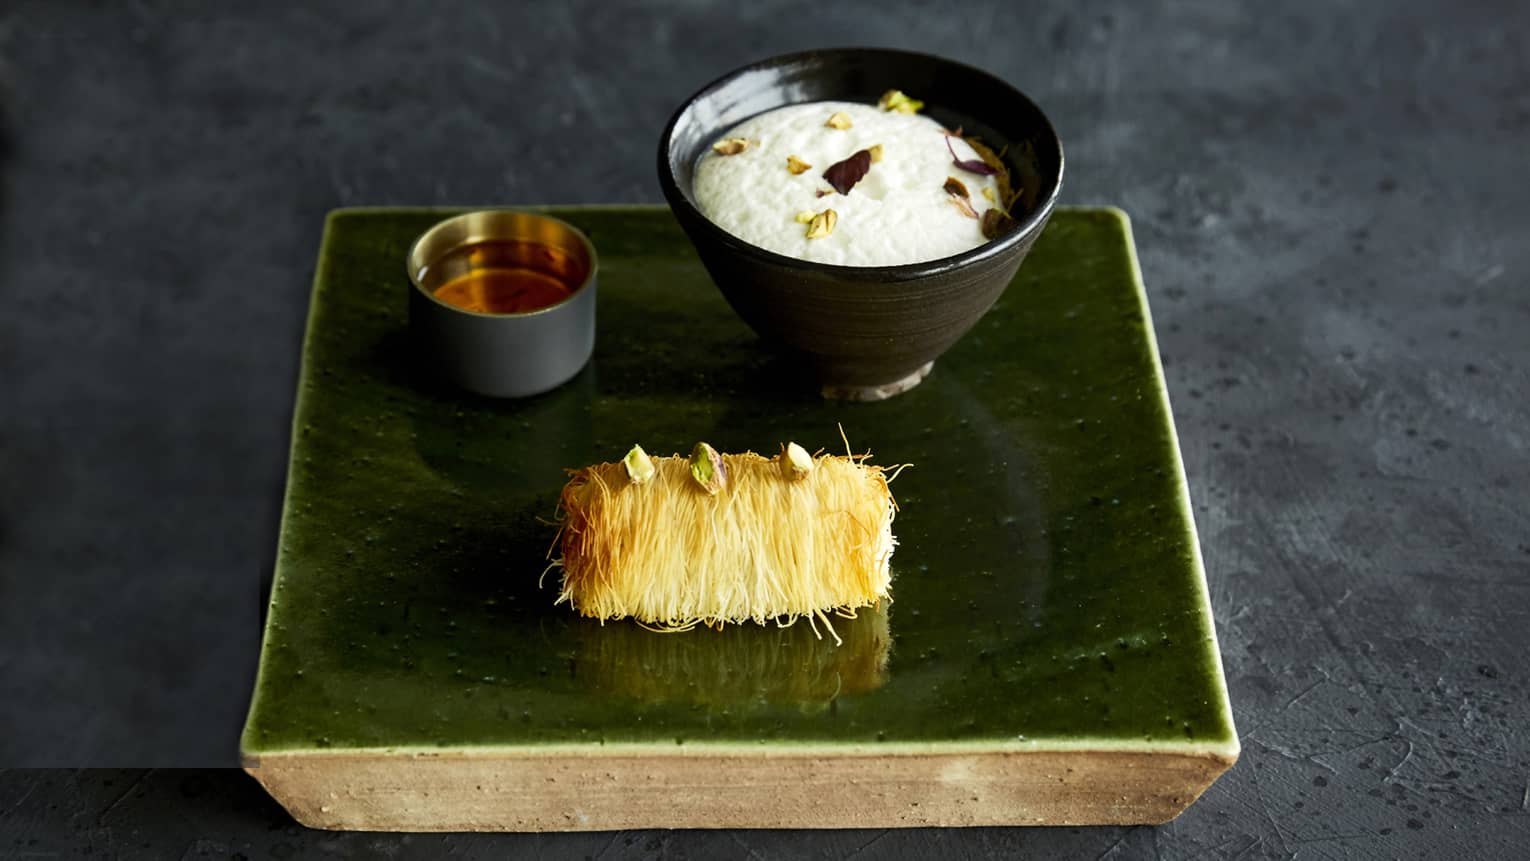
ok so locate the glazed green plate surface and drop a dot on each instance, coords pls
(1048, 591)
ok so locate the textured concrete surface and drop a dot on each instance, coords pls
(1331, 211)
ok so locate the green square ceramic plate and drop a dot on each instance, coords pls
(1049, 654)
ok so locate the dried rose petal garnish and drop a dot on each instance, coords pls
(845, 174)
(971, 165)
(996, 224)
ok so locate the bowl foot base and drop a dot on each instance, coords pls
(878, 392)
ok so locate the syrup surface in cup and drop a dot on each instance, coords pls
(505, 276)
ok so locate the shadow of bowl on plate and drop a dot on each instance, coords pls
(869, 332)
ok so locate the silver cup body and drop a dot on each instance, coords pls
(502, 355)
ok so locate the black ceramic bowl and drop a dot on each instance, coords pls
(872, 331)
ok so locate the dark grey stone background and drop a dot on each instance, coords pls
(1331, 207)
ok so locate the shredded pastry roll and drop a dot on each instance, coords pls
(673, 542)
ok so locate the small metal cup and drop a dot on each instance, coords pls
(501, 355)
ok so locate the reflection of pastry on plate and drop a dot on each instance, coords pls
(714, 538)
(739, 665)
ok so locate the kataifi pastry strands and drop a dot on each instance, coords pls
(673, 542)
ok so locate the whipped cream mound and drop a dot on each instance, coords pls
(900, 211)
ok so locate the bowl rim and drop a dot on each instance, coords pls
(670, 184)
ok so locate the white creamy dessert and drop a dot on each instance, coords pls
(904, 209)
